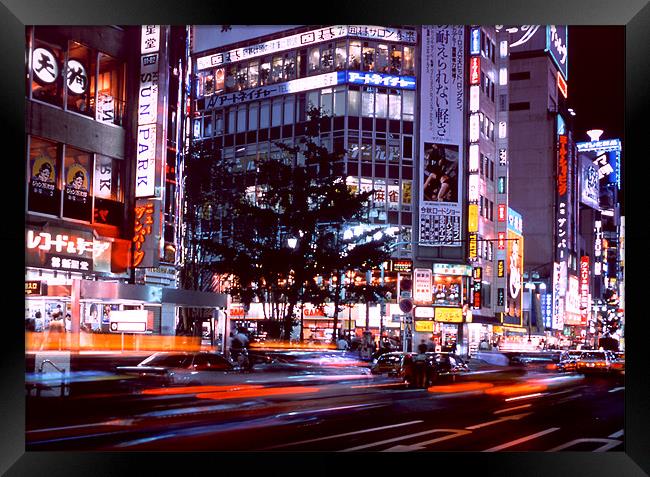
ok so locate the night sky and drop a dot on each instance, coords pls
(597, 79)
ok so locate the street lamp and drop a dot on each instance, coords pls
(292, 242)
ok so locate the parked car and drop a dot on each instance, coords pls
(618, 364)
(440, 366)
(389, 363)
(594, 362)
(182, 368)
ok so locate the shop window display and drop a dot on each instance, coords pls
(368, 57)
(340, 56)
(355, 55)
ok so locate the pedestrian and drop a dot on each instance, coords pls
(342, 344)
(408, 370)
(68, 323)
(421, 367)
(431, 344)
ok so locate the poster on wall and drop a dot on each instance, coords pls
(441, 136)
(76, 197)
(515, 265)
(44, 194)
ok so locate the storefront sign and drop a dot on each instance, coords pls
(294, 86)
(448, 315)
(473, 246)
(423, 312)
(451, 269)
(381, 80)
(572, 302)
(585, 297)
(422, 286)
(562, 86)
(76, 77)
(472, 218)
(473, 188)
(477, 286)
(558, 301)
(475, 41)
(402, 266)
(147, 234)
(441, 136)
(474, 70)
(501, 212)
(501, 241)
(546, 302)
(589, 183)
(33, 288)
(105, 110)
(44, 66)
(562, 165)
(556, 44)
(425, 326)
(501, 296)
(501, 185)
(150, 39)
(474, 98)
(501, 268)
(307, 38)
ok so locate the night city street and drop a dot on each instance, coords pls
(383, 238)
(491, 409)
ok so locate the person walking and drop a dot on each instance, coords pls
(421, 366)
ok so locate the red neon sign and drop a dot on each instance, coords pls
(502, 213)
(502, 241)
(562, 166)
(562, 86)
(474, 70)
(143, 222)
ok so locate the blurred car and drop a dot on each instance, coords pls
(440, 366)
(187, 368)
(618, 364)
(541, 358)
(594, 362)
(567, 361)
(389, 363)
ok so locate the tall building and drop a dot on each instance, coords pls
(415, 110)
(101, 126)
(545, 178)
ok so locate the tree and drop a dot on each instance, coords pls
(276, 225)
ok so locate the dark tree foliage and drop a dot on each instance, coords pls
(275, 227)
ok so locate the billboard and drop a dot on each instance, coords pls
(606, 156)
(441, 136)
(589, 183)
(515, 265)
(572, 302)
(585, 295)
(213, 38)
(558, 298)
(422, 286)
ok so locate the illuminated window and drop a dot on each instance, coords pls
(355, 55)
(253, 74)
(80, 79)
(409, 61)
(313, 60)
(327, 57)
(277, 73)
(47, 69)
(503, 76)
(340, 56)
(264, 72)
(368, 55)
(383, 65)
(395, 59)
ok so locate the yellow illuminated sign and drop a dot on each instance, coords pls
(426, 326)
(473, 245)
(472, 221)
(449, 315)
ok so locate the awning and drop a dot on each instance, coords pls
(102, 290)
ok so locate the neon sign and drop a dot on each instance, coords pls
(474, 70)
(379, 79)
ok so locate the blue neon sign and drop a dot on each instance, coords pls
(381, 80)
(475, 47)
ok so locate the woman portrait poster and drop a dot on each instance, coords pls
(76, 200)
(440, 178)
(44, 195)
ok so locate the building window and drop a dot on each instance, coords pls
(340, 56)
(313, 60)
(289, 112)
(207, 125)
(368, 103)
(241, 118)
(394, 105)
(327, 57)
(522, 106)
(409, 61)
(77, 77)
(264, 72)
(355, 55)
(276, 112)
(368, 57)
(277, 69)
(252, 116)
(339, 102)
(408, 105)
(289, 66)
(522, 75)
(354, 102)
(395, 59)
(383, 65)
(253, 74)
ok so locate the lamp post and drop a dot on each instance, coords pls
(292, 242)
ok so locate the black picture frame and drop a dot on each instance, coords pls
(634, 14)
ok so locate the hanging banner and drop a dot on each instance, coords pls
(585, 296)
(441, 136)
(147, 233)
